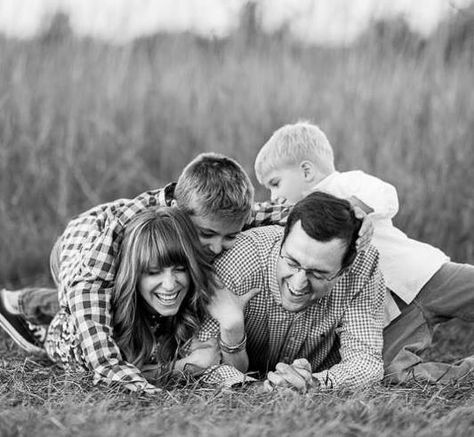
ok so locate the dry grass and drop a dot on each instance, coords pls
(83, 122)
(41, 400)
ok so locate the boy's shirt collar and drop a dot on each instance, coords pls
(321, 185)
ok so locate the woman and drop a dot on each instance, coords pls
(160, 296)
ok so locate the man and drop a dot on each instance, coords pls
(319, 316)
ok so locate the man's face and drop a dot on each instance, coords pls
(286, 184)
(216, 234)
(300, 288)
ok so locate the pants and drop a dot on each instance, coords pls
(40, 305)
(448, 294)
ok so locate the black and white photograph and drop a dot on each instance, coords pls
(236, 218)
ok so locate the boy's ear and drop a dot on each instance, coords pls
(308, 170)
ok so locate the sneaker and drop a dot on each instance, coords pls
(17, 328)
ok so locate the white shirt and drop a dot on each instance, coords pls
(407, 264)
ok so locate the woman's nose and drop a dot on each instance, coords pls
(169, 280)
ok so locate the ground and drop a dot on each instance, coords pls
(37, 398)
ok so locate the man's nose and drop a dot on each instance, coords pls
(299, 280)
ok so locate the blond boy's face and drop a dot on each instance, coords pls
(286, 185)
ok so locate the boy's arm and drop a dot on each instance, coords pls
(371, 194)
(267, 213)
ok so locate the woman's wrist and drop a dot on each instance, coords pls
(231, 325)
(232, 348)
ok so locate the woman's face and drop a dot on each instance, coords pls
(164, 289)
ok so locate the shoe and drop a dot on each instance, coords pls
(17, 328)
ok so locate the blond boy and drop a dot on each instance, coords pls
(426, 286)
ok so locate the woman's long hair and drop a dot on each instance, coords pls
(159, 238)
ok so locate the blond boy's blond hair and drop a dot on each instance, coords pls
(292, 144)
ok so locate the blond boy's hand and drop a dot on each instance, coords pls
(366, 231)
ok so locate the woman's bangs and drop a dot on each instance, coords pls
(161, 249)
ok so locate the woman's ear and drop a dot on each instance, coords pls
(174, 203)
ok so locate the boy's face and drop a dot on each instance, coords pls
(286, 185)
(216, 234)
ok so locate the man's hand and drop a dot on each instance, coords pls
(296, 375)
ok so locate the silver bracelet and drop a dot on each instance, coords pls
(231, 349)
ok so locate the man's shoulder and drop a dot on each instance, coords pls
(262, 235)
(253, 244)
(366, 262)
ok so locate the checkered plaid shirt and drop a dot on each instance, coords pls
(88, 257)
(340, 335)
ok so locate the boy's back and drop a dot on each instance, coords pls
(407, 264)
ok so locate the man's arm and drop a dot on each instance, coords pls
(361, 338)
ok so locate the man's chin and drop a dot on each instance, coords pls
(291, 302)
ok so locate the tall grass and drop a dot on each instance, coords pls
(82, 122)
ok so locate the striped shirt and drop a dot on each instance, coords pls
(340, 335)
(82, 332)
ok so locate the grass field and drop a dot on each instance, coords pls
(83, 122)
(37, 399)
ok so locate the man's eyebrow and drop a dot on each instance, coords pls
(296, 262)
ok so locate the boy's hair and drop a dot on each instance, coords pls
(325, 217)
(292, 144)
(215, 185)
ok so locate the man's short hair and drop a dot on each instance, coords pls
(292, 144)
(215, 185)
(325, 217)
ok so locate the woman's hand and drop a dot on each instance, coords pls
(228, 308)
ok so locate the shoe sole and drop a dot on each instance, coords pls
(18, 339)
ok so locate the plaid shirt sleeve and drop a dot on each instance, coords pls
(267, 213)
(361, 335)
(88, 295)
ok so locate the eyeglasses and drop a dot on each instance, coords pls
(295, 268)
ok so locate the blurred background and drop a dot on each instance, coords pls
(102, 99)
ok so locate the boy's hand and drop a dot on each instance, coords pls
(366, 231)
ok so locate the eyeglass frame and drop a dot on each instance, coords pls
(310, 272)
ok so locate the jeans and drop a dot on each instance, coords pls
(447, 295)
(40, 305)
